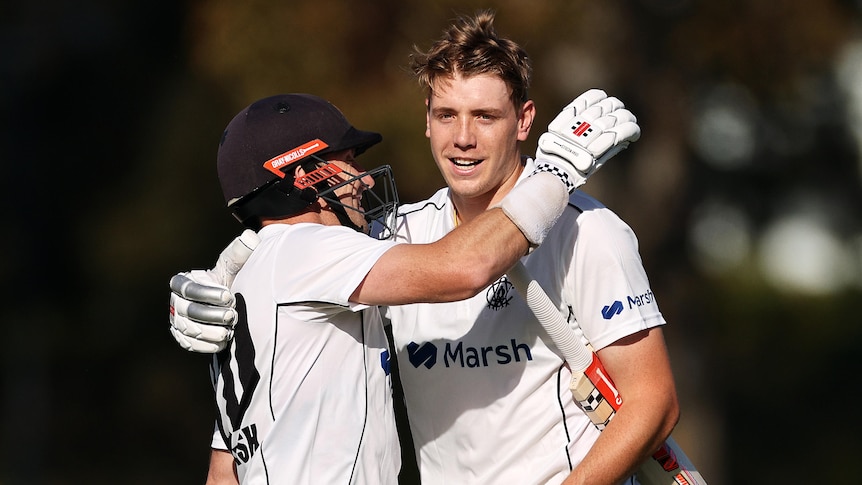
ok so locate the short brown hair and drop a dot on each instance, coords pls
(471, 46)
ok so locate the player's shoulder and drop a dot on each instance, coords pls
(425, 221)
(436, 203)
(302, 229)
(299, 238)
(594, 218)
(583, 202)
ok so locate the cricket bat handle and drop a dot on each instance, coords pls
(593, 388)
(574, 351)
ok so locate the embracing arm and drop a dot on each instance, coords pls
(456, 267)
(640, 368)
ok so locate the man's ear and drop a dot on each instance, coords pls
(525, 120)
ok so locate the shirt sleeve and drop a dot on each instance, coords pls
(315, 263)
(611, 291)
(218, 441)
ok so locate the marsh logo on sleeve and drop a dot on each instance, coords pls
(609, 311)
(631, 301)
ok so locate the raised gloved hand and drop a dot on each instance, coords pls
(202, 306)
(587, 132)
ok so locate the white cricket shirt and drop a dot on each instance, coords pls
(304, 391)
(487, 397)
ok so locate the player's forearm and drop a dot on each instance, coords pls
(456, 267)
(635, 432)
(488, 247)
(473, 256)
(640, 368)
(222, 470)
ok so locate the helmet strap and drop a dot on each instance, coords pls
(342, 216)
(279, 199)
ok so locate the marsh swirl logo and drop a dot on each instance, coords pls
(422, 355)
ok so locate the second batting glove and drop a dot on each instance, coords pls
(202, 307)
(587, 132)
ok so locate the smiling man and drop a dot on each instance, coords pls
(486, 393)
(475, 132)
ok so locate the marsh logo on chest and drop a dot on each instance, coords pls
(499, 295)
(459, 355)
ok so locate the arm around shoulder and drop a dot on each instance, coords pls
(471, 257)
(456, 267)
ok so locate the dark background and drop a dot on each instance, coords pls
(744, 191)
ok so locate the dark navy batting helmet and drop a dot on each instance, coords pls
(263, 144)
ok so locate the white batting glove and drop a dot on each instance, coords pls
(587, 132)
(202, 306)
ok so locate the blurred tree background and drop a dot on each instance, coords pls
(745, 192)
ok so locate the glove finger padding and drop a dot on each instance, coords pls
(594, 111)
(202, 315)
(222, 316)
(617, 136)
(622, 122)
(197, 285)
(582, 102)
(201, 328)
(200, 346)
(588, 132)
(201, 331)
(609, 117)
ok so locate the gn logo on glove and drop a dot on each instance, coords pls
(582, 128)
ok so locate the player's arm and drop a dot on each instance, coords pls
(222, 469)
(456, 267)
(641, 371)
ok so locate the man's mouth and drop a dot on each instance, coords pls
(463, 162)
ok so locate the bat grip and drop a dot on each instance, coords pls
(574, 352)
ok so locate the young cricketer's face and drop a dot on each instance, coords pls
(475, 132)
